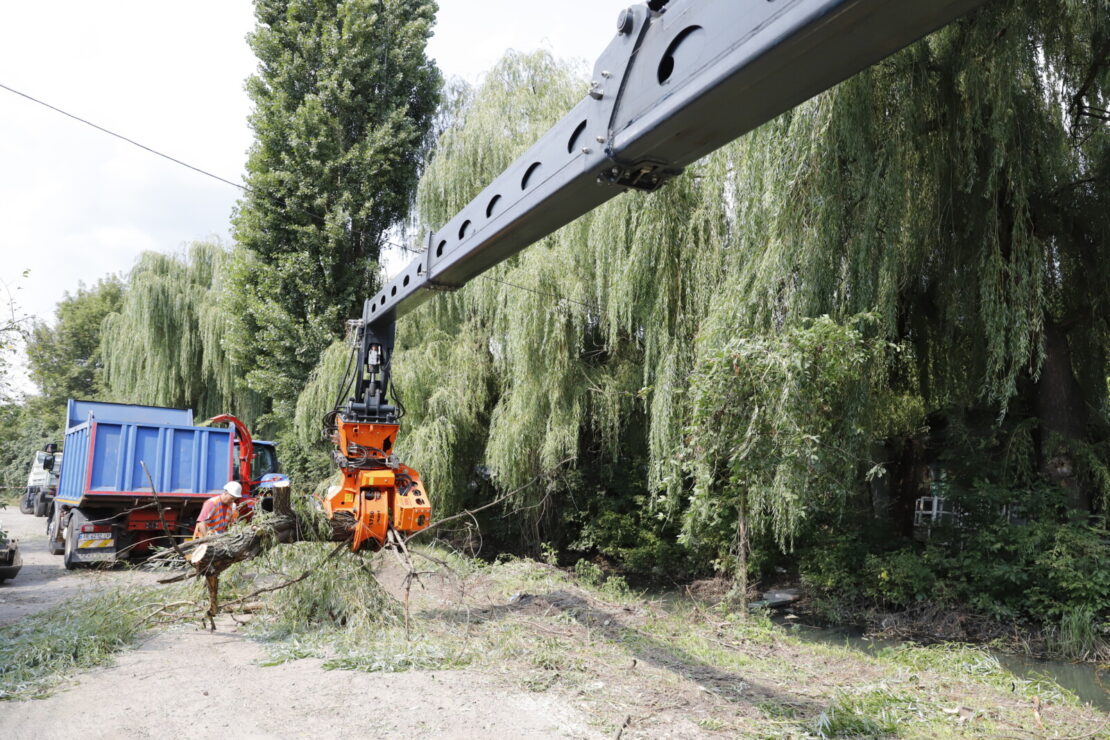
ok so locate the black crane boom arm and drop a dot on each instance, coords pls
(680, 79)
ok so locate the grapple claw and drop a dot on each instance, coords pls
(376, 491)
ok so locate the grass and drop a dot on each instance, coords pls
(579, 637)
(977, 664)
(42, 650)
(340, 614)
(871, 713)
(1077, 637)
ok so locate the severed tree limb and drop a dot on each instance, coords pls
(411, 574)
(211, 556)
(503, 497)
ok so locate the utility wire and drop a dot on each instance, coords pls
(533, 290)
(194, 168)
(122, 137)
(248, 189)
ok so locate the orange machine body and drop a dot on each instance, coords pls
(376, 490)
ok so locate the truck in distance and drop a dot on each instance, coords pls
(42, 482)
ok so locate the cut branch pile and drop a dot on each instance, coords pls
(210, 556)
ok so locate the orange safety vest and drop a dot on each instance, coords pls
(219, 518)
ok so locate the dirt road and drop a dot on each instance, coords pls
(190, 683)
(194, 684)
(43, 581)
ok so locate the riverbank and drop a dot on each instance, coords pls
(930, 624)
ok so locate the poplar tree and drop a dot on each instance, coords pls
(344, 98)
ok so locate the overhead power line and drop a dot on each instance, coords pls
(163, 155)
(175, 160)
(155, 152)
(240, 186)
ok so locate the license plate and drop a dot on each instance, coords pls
(98, 555)
(95, 536)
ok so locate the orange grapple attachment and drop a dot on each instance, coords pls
(375, 495)
(412, 511)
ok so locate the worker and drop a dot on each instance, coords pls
(220, 511)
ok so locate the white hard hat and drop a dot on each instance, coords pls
(233, 488)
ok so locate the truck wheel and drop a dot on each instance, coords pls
(26, 503)
(54, 532)
(68, 558)
(40, 503)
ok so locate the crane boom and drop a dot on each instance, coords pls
(680, 79)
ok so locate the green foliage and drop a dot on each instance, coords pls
(65, 360)
(400, 654)
(344, 99)
(671, 377)
(639, 542)
(305, 454)
(13, 329)
(977, 663)
(486, 375)
(867, 714)
(589, 573)
(38, 651)
(168, 345)
(1046, 569)
(25, 428)
(707, 339)
(778, 427)
(901, 578)
(341, 594)
(1077, 635)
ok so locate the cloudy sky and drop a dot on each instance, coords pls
(76, 204)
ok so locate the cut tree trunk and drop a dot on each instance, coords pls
(211, 556)
(214, 555)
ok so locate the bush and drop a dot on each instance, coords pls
(1044, 569)
(900, 578)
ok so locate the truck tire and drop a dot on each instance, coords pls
(54, 532)
(40, 504)
(72, 527)
(26, 502)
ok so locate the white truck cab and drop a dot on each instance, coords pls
(42, 483)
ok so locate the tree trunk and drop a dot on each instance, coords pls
(1063, 416)
(909, 480)
(210, 556)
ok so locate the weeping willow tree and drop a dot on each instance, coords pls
(167, 345)
(957, 194)
(959, 190)
(580, 349)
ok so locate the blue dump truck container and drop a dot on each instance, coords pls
(107, 443)
(105, 509)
